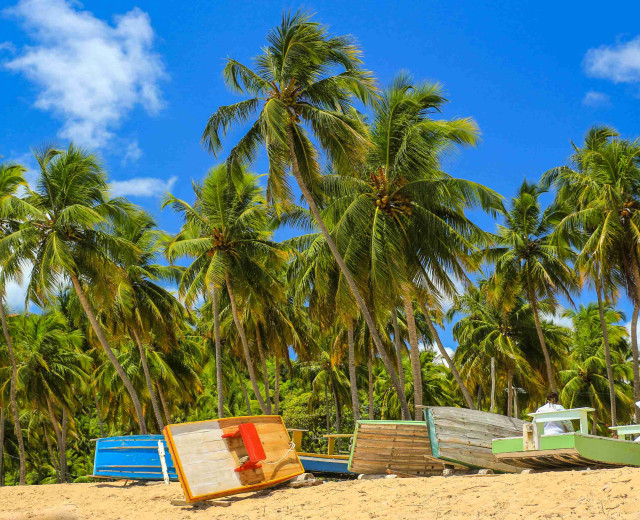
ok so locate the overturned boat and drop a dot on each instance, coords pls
(448, 438)
(534, 450)
(233, 455)
(133, 457)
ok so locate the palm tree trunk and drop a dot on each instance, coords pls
(493, 385)
(479, 398)
(1, 446)
(98, 413)
(147, 378)
(327, 413)
(245, 345)
(415, 351)
(607, 351)
(347, 275)
(64, 429)
(447, 358)
(58, 432)
(105, 345)
(509, 392)
(276, 384)
(543, 343)
(265, 372)
(216, 330)
(336, 402)
(244, 390)
(13, 401)
(636, 366)
(163, 401)
(399, 347)
(516, 412)
(355, 402)
(370, 368)
(52, 454)
(594, 417)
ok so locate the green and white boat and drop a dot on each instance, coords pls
(568, 450)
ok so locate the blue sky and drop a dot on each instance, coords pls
(137, 81)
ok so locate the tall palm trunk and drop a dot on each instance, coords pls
(594, 417)
(98, 413)
(543, 344)
(607, 351)
(64, 430)
(165, 407)
(245, 345)
(216, 330)
(493, 385)
(147, 378)
(327, 410)
(479, 398)
(13, 401)
(88, 310)
(265, 372)
(399, 348)
(52, 454)
(463, 388)
(634, 353)
(370, 368)
(1, 446)
(509, 392)
(347, 275)
(336, 402)
(355, 402)
(416, 369)
(276, 384)
(516, 412)
(62, 459)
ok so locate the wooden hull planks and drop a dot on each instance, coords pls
(465, 436)
(133, 457)
(206, 462)
(570, 450)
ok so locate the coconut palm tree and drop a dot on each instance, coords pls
(13, 210)
(71, 236)
(226, 232)
(299, 95)
(530, 259)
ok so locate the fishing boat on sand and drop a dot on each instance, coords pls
(132, 457)
(233, 455)
(448, 438)
(532, 449)
(331, 463)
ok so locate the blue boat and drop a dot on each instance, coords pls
(320, 463)
(133, 457)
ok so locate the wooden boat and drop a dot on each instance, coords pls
(233, 455)
(133, 457)
(452, 438)
(571, 450)
(330, 462)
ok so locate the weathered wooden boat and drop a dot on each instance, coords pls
(330, 462)
(569, 450)
(448, 438)
(133, 457)
(233, 455)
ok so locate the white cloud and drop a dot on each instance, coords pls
(88, 73)
(596, 99)
(619, 63)
(558, 319)
(132, 153)
(142, 187)
(7, 46)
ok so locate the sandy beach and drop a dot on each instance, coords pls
(578, 494)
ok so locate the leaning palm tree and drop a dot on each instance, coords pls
(226, 232)
(297, 98)
(71, 237)
(529, 257)
(13, 210)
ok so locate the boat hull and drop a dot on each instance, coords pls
(334, 464)
(133, 457)
(207, 455)
(570, 450)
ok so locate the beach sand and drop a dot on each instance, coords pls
(613, 493)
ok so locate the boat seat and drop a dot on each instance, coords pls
(251, 439)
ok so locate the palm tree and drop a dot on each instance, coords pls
(13, 210)
(226, 231)
(602, 190)
(291, 89)
(71, 236)
(529, 258)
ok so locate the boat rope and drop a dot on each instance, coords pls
(292, 446)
